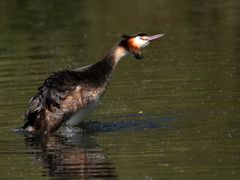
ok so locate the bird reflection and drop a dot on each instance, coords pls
(74, 154)
(76, 157)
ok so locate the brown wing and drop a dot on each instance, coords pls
(51, 118)
(61, 95)
(47, 110)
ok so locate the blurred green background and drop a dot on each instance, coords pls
(188, 82)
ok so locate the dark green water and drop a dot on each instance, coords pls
(174, 115)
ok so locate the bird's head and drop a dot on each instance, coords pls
(135, 43)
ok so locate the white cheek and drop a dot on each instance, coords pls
(144, 44)
(141, 43)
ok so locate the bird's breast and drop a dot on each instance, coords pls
(82, 102)
(79, 115)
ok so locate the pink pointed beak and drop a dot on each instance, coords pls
(155, 37)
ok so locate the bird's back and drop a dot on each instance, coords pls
(62, 94)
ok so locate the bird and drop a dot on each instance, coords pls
(66, 97)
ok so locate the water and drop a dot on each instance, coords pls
(173, 115)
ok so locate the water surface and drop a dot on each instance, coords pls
(173, 115)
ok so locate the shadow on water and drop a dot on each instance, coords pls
(76, 155)
(128, 122)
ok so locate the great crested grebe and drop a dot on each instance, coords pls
(66, 97)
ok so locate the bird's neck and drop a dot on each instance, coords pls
(101, 72)
(114, 55)
(110, 61)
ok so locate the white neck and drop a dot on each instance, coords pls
(119, 53)
(115, 54)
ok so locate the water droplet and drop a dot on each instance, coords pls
(140, 112)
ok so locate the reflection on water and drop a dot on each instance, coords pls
(78, 157)
(74, 154)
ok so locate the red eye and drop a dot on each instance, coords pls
(143, 39)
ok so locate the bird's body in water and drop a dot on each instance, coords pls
(66, 97)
